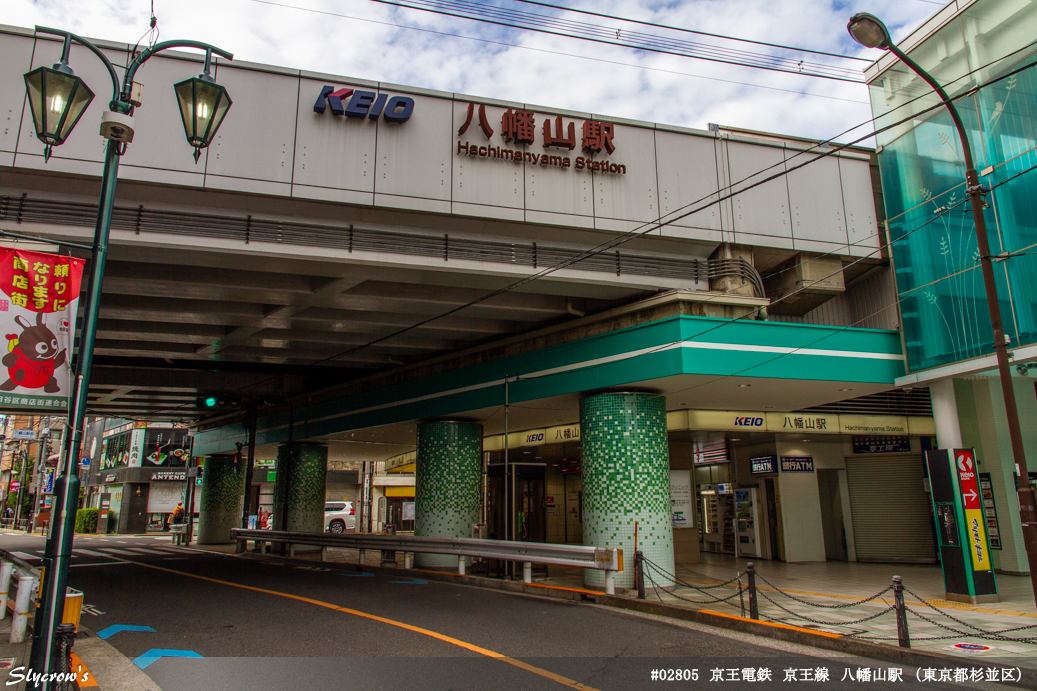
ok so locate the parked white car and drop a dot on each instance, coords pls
(339, 516)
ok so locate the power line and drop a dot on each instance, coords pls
(694, 31)
(553, 52)
(512, 19)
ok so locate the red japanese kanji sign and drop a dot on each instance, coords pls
(38, 306)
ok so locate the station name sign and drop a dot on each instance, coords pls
(520, 128)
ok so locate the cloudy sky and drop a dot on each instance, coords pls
(370, 40)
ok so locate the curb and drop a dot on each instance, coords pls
(112, 670)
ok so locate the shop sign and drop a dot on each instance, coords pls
(881, 445)
(986, 489)
(682, 509)
(15, 484)
(408, 511)
(761, 465)
(724, 488)
(797, 464)
(48, 481)
(110, 477)
(873, 424)
(168, 475)
(975, 522)
(364, 104)
(40, 299)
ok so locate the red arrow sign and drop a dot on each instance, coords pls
(967, 478)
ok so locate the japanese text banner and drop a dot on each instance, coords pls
(37, 308)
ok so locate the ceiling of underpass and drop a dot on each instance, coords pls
(172, 331)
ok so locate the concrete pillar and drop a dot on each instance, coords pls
(304, 477)
(945, 414)
(447, 484)
(219, 508)
(626, 480)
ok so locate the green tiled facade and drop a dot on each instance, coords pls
(447, 483)
(626, 480)
(304, 476)
(219, 507)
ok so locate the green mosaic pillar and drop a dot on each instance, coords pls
(447, 484)
(626, 479)
(219, 507)
(305, 477)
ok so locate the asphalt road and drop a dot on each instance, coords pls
(267, 624)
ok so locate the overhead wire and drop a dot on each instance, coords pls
(463, 9)
(546, 51)
(691, 31)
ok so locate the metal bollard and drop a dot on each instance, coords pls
(6, 569)
(408, 560)
(262, 548)
(639, 574)
(291, 551)
(754, 607)
(21, 609)
(460, 564)
(323, 553)
(527, 572)
(610, 582)
(898, 602)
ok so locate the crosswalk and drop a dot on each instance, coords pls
(115, 553)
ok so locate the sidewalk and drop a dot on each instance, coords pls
(841, 583)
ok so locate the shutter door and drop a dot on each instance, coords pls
(890, 508)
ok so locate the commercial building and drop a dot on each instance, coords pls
(709, 318)
(982, 53)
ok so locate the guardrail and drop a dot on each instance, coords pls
(607, 559)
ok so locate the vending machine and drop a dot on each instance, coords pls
(747, 524)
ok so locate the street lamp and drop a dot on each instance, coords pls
(870, 32)
(203, 105)
(58, 100)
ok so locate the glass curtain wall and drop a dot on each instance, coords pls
(986, 56)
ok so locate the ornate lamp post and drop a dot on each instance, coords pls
(58, 100)
(870, 32)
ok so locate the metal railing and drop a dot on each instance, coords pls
(247, 229)
(607, 559)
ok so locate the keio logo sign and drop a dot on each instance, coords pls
(364, 104)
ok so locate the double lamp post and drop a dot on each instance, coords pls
(870, 32)
(58, 99)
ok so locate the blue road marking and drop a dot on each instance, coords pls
(112, 630)
(413, 581)
(156, 653)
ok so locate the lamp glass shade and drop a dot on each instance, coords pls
(57, 100)
(869, 31)
(203, 105)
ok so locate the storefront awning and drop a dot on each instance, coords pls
(399, 491)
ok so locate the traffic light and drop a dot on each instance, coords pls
(226, 402)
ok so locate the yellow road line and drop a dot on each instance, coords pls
(565, 681)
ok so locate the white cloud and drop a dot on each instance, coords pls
(532, 70)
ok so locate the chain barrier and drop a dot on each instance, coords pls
(662, 572)
(817, 604)
(899, 607)
(797, 615)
